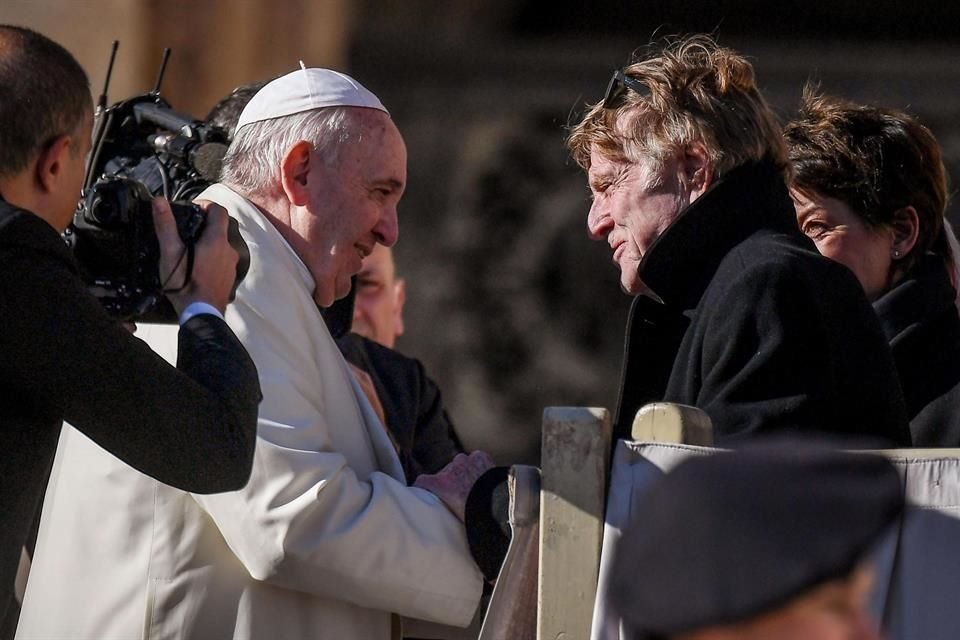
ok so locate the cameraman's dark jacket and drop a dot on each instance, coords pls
(757, 329)
(63, 358)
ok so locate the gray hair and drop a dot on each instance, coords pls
(252, 163)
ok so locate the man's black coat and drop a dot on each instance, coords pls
(921, 322)
(412, 404)
(63, 358)
(756, 328)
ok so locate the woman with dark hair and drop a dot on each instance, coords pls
(870, 190)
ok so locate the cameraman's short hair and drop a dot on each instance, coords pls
(252, 162)
(44, 94)
(698, 91)
(875, 160)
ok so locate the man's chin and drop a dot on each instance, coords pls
(636, 287)
(326, 296)
(632, 286)
(343, 288)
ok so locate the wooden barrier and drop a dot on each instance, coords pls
(575, 468)
(512, 614)
(676, 423)
(574, 463)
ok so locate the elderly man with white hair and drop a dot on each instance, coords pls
(326, 540)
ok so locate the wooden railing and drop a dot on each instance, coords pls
(575, 465)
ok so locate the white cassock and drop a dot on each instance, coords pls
(324, 542)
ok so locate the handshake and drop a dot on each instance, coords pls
(453, 483)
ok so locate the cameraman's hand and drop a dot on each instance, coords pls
(452, 484)
(214, 262)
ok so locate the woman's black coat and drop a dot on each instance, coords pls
(921, 322)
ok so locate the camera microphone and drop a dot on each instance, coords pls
(205, 157)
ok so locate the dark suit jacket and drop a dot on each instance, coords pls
(411, 402)
(63, 358)
(921, 322)
(757, 329)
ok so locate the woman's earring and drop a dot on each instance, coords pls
(896, 254)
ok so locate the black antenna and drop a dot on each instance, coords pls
(100, 125)
(102, 102)
(163, 68)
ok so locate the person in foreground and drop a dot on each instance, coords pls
(61, 356)
(326, 540)
(735, 312)
(764, 543)
(870, 190)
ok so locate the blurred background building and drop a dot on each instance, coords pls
(510, 306)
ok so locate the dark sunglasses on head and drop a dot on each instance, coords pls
(620, 83)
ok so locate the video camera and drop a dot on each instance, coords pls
(143, 148)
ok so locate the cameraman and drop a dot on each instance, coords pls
(61, 356)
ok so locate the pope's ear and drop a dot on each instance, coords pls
(295, 173)
(50, 163)
(697, 169)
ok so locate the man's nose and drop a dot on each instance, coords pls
(599, 222)
(388, 228)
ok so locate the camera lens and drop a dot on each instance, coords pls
(111, 202)
(104, 208)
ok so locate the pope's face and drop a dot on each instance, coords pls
(352, 206)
